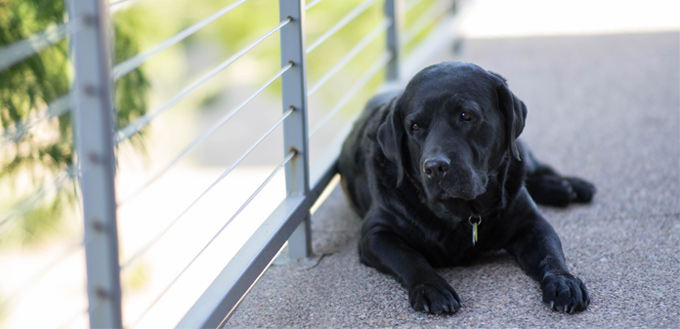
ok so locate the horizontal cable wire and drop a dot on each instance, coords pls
(93, 306)
(25, 48)
(360, 46)
(146, 119)
(312, 4)
(57, 108)
(67, 252)
(29, 203)
(118, 5)
(136, 61)
(429, 17)
(363, 80)
(132, 260)
(69, 323)
(205, 135)
(339, 25)
(243, 206)
(412, 4)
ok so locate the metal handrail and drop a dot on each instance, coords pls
(342, 23)
(117, 5)
(136, 256)
(412, 4)
(205, 135)
(139, 124)
(281, 165)
(304, 182)
(361, 82)
(54, 109)
(431, 15)
(136, 61)
(360, 46)
(28, 47)
(28, 203)
(312, 4)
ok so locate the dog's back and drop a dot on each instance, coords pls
(351, 163)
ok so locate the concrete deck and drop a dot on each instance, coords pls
(603, 107)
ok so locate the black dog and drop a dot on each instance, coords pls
(438, 176)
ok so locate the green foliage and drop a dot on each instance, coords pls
(31, 85)
(130, 90)
(27, 88)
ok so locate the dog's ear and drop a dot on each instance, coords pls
(391, 137)
(514, 111)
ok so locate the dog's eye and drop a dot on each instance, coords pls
(415, 127)
(466, 116)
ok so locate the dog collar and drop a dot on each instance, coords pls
(474, 220)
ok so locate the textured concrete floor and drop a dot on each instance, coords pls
(604, 107)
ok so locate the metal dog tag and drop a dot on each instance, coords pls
(474, 220)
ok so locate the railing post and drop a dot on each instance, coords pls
(294, 95)
(393, 11)
(94, 139)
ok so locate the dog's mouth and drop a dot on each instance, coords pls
(441, 195)
(455, 188)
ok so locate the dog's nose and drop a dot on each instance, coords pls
(436, 167)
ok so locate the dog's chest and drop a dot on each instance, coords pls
(448, 244)
(445, 244)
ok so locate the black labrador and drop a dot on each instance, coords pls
(438, 176)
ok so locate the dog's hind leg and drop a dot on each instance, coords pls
(546, 186)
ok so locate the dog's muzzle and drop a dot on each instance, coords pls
(443, 180)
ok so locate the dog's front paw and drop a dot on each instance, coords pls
(434, 297)
(565, 292)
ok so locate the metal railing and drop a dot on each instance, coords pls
(90, 104)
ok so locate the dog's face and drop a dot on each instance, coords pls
(451, 128)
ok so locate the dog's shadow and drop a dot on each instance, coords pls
(335, 226)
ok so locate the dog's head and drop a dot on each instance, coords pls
(451, 128)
